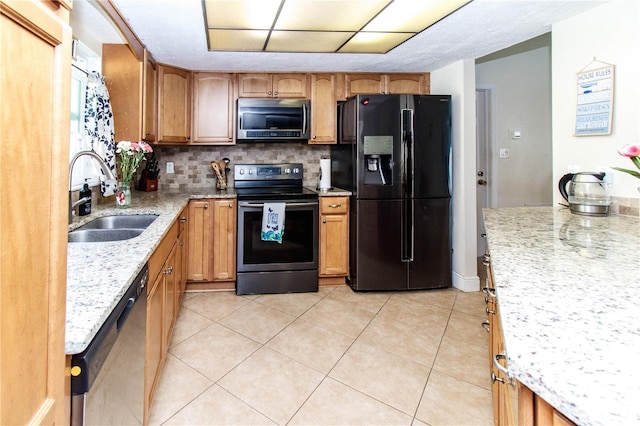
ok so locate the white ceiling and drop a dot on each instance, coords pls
(174, 32)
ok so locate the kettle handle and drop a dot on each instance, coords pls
(562, 185)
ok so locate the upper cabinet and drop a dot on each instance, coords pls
(213, 108)
(371, 83)
(149, 98)
(323, 108)
(174, 105)
(279, 85)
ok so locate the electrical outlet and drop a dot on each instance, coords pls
(169, 166)
(504, 153)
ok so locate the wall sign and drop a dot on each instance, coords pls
(594, 108)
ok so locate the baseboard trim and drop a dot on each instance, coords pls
(466, 284)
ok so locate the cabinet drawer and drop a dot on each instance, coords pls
(162, 252)
(334, 205)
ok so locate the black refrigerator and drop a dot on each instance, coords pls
(394, 155)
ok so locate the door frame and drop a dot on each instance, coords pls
(485, 142)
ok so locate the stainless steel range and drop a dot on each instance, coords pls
(286, 266)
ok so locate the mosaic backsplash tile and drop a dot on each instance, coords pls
(193, 169)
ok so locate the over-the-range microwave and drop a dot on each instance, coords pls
(272, 119)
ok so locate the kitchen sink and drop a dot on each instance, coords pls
(136, 221)
(111, 228)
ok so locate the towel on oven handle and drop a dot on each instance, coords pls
(272, 222)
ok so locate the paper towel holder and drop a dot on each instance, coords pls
(324, 179)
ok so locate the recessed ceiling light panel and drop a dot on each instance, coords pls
(307, 41)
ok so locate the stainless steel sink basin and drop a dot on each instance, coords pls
(111, 228)
(102, 235)
(135, 221)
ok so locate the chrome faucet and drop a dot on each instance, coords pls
(105, 169)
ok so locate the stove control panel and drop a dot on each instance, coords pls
(282, 171)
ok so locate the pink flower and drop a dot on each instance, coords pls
(630, 150)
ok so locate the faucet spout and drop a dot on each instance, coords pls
(103, 166)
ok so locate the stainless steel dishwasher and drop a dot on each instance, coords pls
(107, 379)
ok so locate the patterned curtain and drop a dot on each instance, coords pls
(98, 125)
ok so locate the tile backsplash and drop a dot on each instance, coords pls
(192, 168)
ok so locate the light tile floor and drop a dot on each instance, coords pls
(329, 358)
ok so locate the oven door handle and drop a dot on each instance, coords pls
(310, 203)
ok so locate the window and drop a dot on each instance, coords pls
(85, 169)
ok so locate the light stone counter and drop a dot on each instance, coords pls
(98, 274)
(568, 289)
(334, 192)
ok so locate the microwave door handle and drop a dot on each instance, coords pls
(304, 118)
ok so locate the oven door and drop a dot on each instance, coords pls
(299, 248)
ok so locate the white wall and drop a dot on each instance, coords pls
(610, 33)
(458, 80)
(522, 101)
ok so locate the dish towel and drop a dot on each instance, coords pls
(273, 222)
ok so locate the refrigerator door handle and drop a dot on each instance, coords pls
(409, 150)
(408, 225)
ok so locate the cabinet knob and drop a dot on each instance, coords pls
(486, 325)
(230, 205)
(206, 206)
(169, 270)
(335, 206)
(489, 311)
(269, 93)
(183, 219)
(275, 93)
(324, 220)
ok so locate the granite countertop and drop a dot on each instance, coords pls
(98, 274)
(568, 288)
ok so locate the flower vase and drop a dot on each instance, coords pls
(123, 195)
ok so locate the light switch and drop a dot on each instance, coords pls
(169, 166)
(504, 153)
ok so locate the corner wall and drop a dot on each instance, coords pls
(458, 80)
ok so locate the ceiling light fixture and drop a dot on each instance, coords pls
(319, 26)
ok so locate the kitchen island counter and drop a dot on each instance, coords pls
(568, 289)
(98, 274)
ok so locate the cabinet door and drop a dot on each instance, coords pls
(255, 86)
(122, 74)
(154, 350)
(170, 296)
(34, 107)
(174, 105)
(290, 85)
(181, 255)
(213, 112)
(149, 98)
(362, 84)
(224, 240)
(415, 84)
(199, 252)
(323, 109)
(334, 236)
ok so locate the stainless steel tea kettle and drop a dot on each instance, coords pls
(588, 193)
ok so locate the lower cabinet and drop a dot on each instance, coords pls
(513, 402)
(164, 293)
(212, 243)
(334, 240)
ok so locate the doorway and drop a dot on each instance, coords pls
(484, 165)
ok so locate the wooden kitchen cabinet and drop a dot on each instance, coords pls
(181, 254)
(35, 79)
(279, 85)
(323, 110)
(149, 98)
(213, 108)
(163, 294)
(212, 244)
(199, 244)
(399, 83)
(514, 404)
(174, 105)
(224, 240)
(132, 92)
(334, 240)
